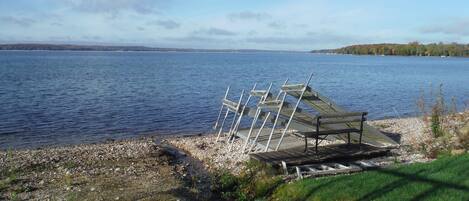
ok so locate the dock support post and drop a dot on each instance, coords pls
(236, 127)
(221, 109)
(275, 122)
(284, 167)
(253, 124)
(298, 173)
(259, 132)
(235, 115)
(221, 126)
(294, 110)
(265, 120)
(256, 117)
(276, 118)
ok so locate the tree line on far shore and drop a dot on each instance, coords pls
(410, 49)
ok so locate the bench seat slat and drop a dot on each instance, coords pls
(330, 132)
(340, 121)
(345, 114)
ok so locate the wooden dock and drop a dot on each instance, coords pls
(329, 153)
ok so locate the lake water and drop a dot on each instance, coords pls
(51, 98)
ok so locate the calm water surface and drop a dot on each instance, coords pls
(51, 98)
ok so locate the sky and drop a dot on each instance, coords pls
(233, 24)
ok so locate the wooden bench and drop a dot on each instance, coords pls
(337, 119)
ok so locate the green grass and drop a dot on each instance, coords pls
(447, 178)
(255, 182)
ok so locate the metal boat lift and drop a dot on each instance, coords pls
(292, 125)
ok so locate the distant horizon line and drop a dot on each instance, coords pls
(125, 47)
(76, 46)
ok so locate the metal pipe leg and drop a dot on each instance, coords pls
(221, 109)
(231, 127)
(253, 124)
(293, 113)
(221, 126)
(236, 121)
(317, 139)
(275, 122)
(348, 138)
(360, 140)
(218, 119)
(259, 132)
(306, 144)
(361, 128)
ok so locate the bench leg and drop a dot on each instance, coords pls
(317, 139)
(348, 138)
(360, 139)
(306, 144)
(361, 129)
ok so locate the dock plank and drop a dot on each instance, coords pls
(329, 153)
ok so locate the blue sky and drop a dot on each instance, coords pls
(239, 24)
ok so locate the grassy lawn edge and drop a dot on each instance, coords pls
(446, 178)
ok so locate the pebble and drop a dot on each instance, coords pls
(134, 161)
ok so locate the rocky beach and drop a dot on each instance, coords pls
(172, 168)
(139, 169)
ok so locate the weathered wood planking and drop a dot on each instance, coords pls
(325, 106)
(329, 153)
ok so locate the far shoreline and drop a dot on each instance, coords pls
(115, 48)
(373, 55)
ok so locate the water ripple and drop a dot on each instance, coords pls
(50, 98)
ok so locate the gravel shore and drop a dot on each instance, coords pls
(215, 155)
(407, 132)
(174, 168)
(121, 170)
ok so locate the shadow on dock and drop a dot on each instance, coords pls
(329, 153)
